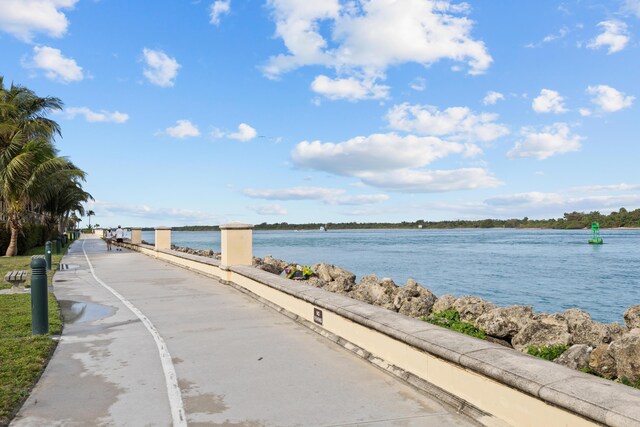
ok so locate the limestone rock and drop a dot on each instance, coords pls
(584, 330)
(323, 271)
(632, 317)
(626, 353)
(505, 322)
(329, 273)
(341, 285)
(616, 330)
(445, 302)
(269, 268)
(317, 282)
(543, 330)
(413, 300)
(278, 263)
(470, 308)
(576, 357)
(602, 362)
(374, 291)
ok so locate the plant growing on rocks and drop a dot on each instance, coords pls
(450, 319)
(547, 352)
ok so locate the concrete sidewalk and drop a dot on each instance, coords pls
(238, 363)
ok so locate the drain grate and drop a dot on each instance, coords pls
(68, 266)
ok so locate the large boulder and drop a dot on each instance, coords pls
(413, 300)
(632, 317)
(317, 282)
(616, 330)
(505, 322)
(576, 357)
(626, 353)
(329, 273)
(445, 302)
(372, 290)
(341, 285)
(269, 268)
(278, 263)
(602, 362)
(583, 330)
(323, 270)
(543, 330)
(470, 308)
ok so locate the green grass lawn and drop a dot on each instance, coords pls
(23, 262)
(22, 357)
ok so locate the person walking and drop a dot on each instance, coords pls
(109, 239)
(119, 237)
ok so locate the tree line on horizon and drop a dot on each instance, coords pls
(37, 186)
(569, 221)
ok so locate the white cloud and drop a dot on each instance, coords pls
(632, 7)
(293, 193)
(363, 199)
(24, 18)
(584, 112)
(492, 98)
(183, 129)
(272, 209)
(92, 116)
(419, 84)
(366, 38)
(458, 123)
(55, 65)
(549, 101)
(161, 70)
(432, 181)
(146, 215)
(219, 8)
(377, 152)
(552, 140)
(615, 36)
(350, 88)
(609, 99)
(245, 133)
(549, 38)
(607, 188)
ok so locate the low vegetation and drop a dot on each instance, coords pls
(22, 357)
(547, 352)
(450, 319)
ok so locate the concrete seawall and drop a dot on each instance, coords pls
(495, 385)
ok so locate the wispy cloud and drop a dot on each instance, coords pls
(183, 129)
(219, 8)
(93, 116)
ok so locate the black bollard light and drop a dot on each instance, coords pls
(47, 254)
(39, 297)
(58, 246)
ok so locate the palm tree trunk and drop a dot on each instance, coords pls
(12, 250)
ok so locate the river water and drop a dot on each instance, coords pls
(552, 270)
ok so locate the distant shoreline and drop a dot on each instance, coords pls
(217, 228)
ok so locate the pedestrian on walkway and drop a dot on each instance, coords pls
(119, 237)
(109, 239)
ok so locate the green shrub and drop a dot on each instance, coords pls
(627, 381)
(33, 235)
(547, 352)
(450, 319)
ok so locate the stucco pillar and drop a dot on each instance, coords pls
(237, 244)
(136, 236)
(163, 238)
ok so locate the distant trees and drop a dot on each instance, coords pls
(34, 180)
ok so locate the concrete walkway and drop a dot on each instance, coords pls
(237, 362)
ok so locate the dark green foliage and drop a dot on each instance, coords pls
(450, 319)
(547, 352)
(628, 382)
(34, 235)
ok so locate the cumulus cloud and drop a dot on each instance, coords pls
(25, 18)
(458, 123)
(550, 141)
(492, 97)
(432, 181)
(93, 116)
(418, 31)
(614, 36)
(219, 8)
(244, 133)
(272, 209)
(609, 99)
(55, 65)
(183, 129)
(142, 214)
(549, 101)
(350, 88)
(160, 69)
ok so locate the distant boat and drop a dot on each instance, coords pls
(322, 228)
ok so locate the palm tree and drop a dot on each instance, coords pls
(90, 213)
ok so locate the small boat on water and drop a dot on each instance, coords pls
(595, 238)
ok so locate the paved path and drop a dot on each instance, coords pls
(237, 362)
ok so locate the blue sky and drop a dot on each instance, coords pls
(205, 112)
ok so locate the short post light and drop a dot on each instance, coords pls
(47, 254)
(39, 297)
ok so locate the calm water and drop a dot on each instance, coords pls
(550, 269)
